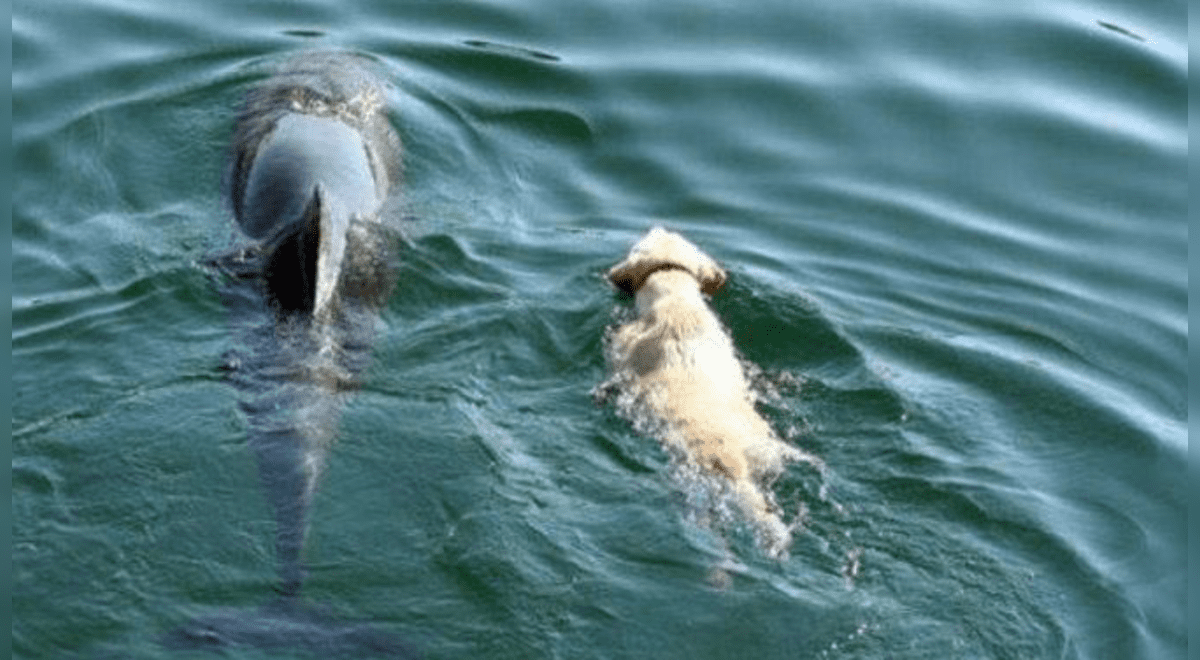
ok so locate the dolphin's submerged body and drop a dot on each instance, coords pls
(313, 165)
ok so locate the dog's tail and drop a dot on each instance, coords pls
(773, 534)
(287, 625)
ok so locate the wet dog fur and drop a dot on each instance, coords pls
(680, 365)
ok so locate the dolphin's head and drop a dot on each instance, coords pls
(308, 178)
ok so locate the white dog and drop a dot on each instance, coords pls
(680, 367)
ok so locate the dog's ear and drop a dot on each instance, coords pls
(661, 248)
(629, 275)
(712, 277)
(646, 256)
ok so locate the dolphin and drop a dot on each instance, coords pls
(313, 165)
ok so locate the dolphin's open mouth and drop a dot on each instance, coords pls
(291, 265)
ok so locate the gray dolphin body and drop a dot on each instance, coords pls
(313, 164)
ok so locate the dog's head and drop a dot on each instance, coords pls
(660, 249)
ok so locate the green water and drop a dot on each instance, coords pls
(956, 239)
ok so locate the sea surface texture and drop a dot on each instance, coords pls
(956, 240)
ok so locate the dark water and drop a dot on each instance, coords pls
(957, 245)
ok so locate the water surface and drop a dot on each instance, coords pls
(957, 245)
